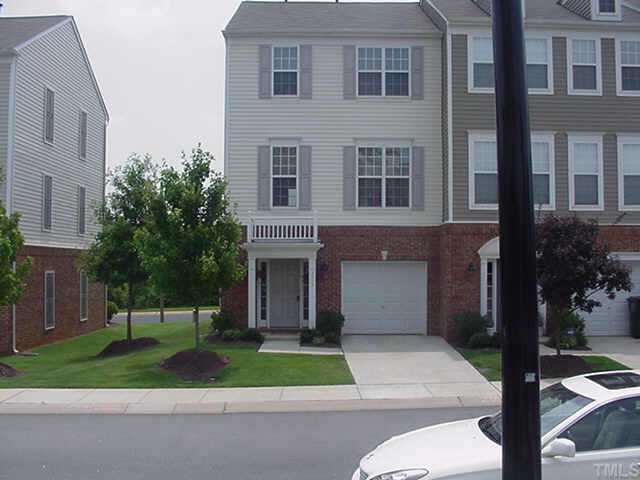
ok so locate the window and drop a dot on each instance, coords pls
(84, 296)
(542, 160)
(584, 66)
(49, 300)
(82, 215)
(629, 67)
(285, 71)
(383, 176)
(607, 6)
(481, 62)
(83, 135)
(610, 427)
(47, 202)
(263, 299)
(585, 173)
(390, 76)
(483, 171)
(629, 173)
(538, 67)
(49, 112)
(305, 290)
(284, 172)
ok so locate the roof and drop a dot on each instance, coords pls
(14, 31)
(321, 18)
(536, 10)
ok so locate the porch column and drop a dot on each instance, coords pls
(312, 290)
(251, 323)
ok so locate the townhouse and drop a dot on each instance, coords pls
(360, 150)
(52, 155)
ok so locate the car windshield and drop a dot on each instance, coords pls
(557, 403)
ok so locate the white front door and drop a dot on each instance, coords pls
(284, 276)
(384, 297)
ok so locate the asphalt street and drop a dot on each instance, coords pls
(154, 317)
(291, 446)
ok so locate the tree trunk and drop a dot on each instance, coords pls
(196, 321)
(557, 329)
(129, 308)
(161, 308)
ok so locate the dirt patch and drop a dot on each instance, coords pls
(215, 340)
(120, 347)
(195, 365)
(554, 366)
(7, 371)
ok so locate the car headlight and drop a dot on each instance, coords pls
(402, 475)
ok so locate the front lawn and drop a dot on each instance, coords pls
(73, 364)
(488, 362)
(167, 309)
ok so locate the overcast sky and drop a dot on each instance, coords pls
(160, 66)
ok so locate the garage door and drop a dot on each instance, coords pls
(612, 318)
(384, 297)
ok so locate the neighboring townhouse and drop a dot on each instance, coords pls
(583, 72)
(52, 155)
(361, 153)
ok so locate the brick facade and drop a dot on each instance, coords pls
(451, 253)
(30, 331)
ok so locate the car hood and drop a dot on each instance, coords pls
(447, 449)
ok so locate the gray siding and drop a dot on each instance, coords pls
(56, 61)
(5, 81)
(560, 113)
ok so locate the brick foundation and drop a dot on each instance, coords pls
(30, 329)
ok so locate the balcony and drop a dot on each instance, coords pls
(291, 229)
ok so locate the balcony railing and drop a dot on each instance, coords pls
(283, 229)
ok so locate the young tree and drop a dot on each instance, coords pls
(113, 257)
(573, 265)
(12, 274)
(191, 244)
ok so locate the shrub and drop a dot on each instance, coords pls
(231, 335)
(222, 321)
(252, 335)
(332, 338)
(307, 334)
(112, 310)
(572, 332)
(320, 340)
(496, 340)
(480, 340)
(468, 324)
(330, 321)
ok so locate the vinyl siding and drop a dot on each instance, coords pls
(560, 113)
(56, 61)
(5, 82)
(327, 123)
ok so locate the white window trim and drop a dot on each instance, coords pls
(597, 15)
(383, 70)
(44, 299)
(273, 70)
(548, 138)
(623, 140)
(78, 190)
(383, 177)
(474, 137)
(297, 176)
(598, 65)
(620, 91)
(585, 138)
(532, 91)
(86, 137)
(43, 203)
(44, 116)
(84, 319)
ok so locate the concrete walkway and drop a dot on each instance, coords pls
(625, 350)
(291, 344)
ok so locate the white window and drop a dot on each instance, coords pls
(543, 169)
(607, 7)
(606, 10)
(84, 296)
(539, 70)
(284, 176)
(389, 77)
(285, 71)
(49, 306)
(584, 66)
(384, 176)
(629, 172)
(49, 115)
(47, 202)
(82, 147)
(481, 74)
(628, 60)
(586, 188)
(82, 214)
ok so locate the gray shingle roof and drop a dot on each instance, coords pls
(255, 17)
(17, 30)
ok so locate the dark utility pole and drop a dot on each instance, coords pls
(518, 296)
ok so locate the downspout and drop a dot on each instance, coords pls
(9, 174)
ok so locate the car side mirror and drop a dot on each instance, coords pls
(560, 447)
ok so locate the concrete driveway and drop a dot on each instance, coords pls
(419, 361)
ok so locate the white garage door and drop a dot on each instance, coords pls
(612, 318)
(384, 297)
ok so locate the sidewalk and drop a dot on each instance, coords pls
(238, 400)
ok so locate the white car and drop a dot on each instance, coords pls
(590, 430)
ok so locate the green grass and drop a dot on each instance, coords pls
(488, 362)
(168, 309)
(73, 364)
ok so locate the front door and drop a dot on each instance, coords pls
(285, 294)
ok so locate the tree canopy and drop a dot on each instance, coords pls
(12, 279)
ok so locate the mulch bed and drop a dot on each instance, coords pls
(553, 366)
(324, 345)
(8, 371)
(195, 365)
(120, 347)
(216, 340)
